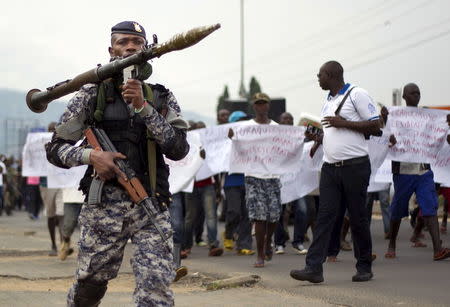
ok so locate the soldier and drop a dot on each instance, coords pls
(143, 122)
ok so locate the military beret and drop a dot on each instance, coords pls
(128, 27)
(260, 97)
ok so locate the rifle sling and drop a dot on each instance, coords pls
(151, 145)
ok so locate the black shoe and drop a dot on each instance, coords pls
(314, 277)
(362, 276)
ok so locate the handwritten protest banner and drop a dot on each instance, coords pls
(441, 167)
(59, 178)
(217, 146)
(266, 149)
(420, 133)
(183, 171)
(33, 154)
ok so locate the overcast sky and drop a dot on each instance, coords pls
(382, 44)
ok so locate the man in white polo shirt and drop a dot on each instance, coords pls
(347, 116)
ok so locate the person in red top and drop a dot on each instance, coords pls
(203, 196)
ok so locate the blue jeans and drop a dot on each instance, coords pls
(383, 196)
(176, 212)
(201, 197)
(300, 224)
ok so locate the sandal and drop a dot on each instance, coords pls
(390, 254)
(258, 264)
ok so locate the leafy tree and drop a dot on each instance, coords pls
(254, 87)
(221, 101)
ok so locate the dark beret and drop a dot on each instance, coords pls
(129, 27)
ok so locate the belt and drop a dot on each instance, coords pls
(348, 162)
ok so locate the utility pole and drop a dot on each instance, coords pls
(242, 91)
(396, 97)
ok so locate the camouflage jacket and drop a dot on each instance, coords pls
(169, 132)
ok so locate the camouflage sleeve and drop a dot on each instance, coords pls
(168, 131)
(61, 151)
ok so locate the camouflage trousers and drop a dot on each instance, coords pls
(105, 230)
(262, 197)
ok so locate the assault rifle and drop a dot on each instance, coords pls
(99, 140)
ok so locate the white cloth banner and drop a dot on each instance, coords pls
(204, 172)
(420, 133)
(441, 167)
(384, 173)
(183, 171)
(217, 146)
(59, 178)
(378, 150)
(296, 185)
(301, 183)
(33, 155)
(267, 149)
(314, 163)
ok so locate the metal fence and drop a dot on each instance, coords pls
(13, 133)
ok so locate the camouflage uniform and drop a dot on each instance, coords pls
(106, 227)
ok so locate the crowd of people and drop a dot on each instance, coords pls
(144, 122)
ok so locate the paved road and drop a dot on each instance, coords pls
(411, 280)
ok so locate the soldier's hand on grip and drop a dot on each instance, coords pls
(103, 162)
(132, 93)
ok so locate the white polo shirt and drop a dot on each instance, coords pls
(340, 143)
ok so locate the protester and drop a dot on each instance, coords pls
(348, 114)
(73, 200)
(54, 207)
(299, 208)
(202, 198)
(143, 128)
(219, 179)
(11, 193)
(262, 191)
(445, 192)
(237, 224)
(33, 200)
(2, 172)
(382, 195)
(412, 178)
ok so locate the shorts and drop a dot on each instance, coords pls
(262, 197)
(53, 201)
(405, 186)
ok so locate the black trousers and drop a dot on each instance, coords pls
(342, 187)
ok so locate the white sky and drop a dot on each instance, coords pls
(382, 44)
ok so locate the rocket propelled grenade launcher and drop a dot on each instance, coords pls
(38, 100)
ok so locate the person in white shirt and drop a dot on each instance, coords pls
(262, 191)
(348, 116)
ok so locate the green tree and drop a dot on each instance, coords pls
(221, 101)
(254, 87)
